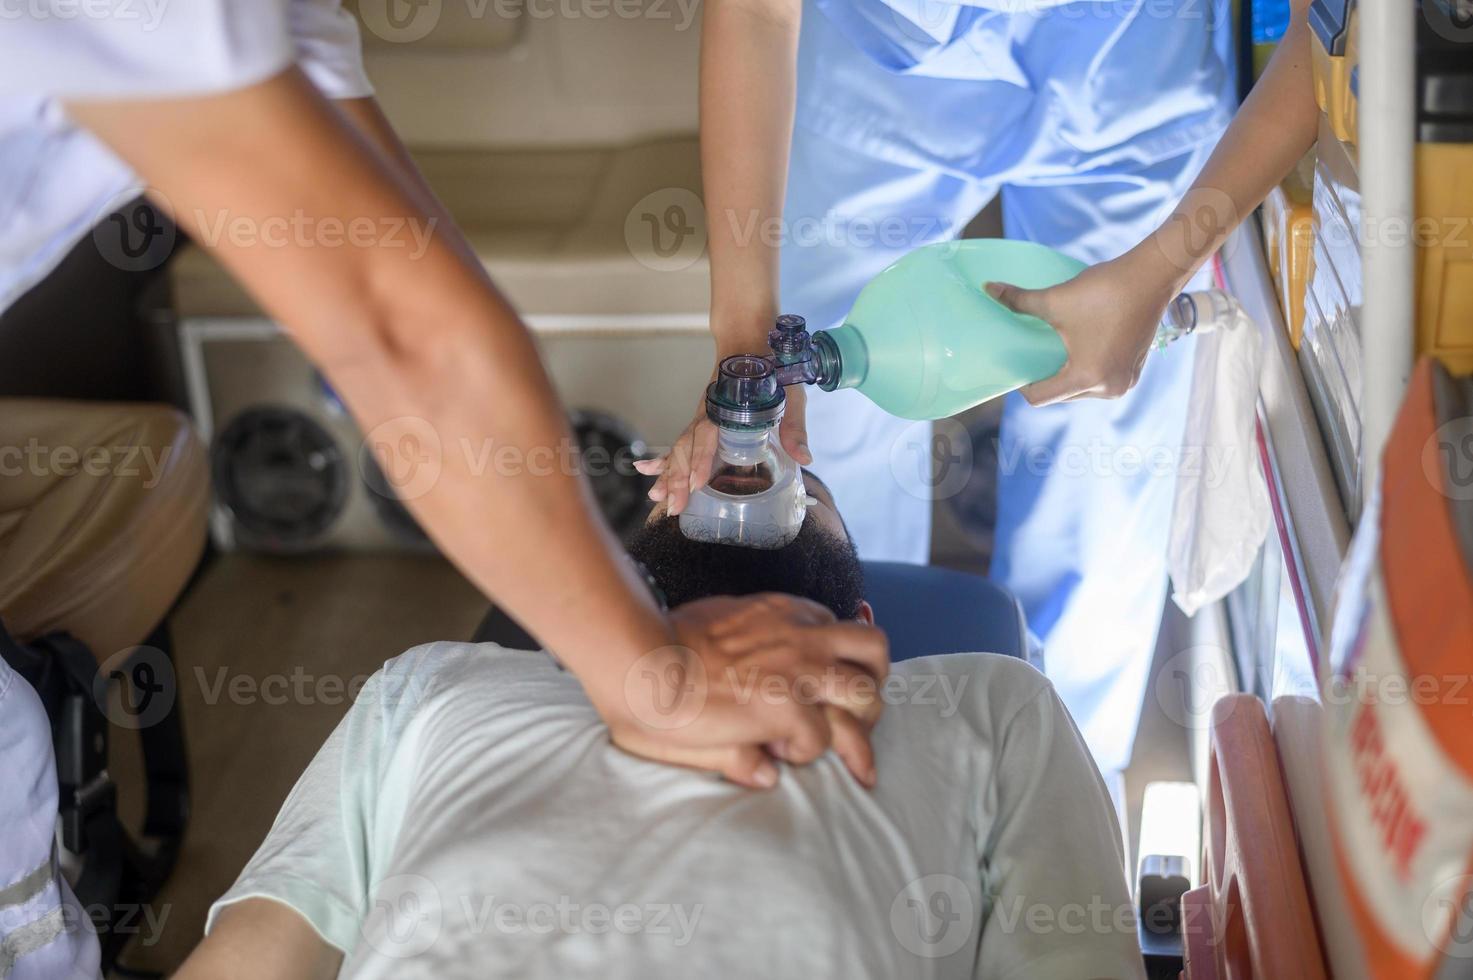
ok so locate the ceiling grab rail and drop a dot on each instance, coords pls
(1387, 145)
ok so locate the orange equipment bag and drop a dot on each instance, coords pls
(1399, 696)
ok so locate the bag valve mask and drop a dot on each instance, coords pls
(755, 497)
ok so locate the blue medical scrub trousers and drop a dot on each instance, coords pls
(1091, 120)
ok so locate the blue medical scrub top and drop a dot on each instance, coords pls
(1059, 87)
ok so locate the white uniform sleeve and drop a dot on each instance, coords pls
(141, 48)
(156, 48)
(319, 856)
(329, 48)
(1053, 880)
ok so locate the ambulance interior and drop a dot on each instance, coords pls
(1285, 814)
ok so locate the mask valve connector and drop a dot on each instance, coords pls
(745, 394)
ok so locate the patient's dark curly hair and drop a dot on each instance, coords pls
(817, 565)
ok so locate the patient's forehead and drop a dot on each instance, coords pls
(827, 511)
(817, 488)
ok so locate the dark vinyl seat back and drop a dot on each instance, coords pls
(923, 609)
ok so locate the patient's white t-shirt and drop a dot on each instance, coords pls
(469, 817)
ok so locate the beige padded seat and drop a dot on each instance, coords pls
(553, 75)
(560, 143)
(553, 227)
(102, 518)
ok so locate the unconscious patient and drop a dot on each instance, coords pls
(470, 817)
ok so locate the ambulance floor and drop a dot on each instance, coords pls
(266, 651)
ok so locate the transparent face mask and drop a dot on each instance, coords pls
(755, 497)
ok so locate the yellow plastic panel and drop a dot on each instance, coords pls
(1444, 232)
(1332, 81)
(1288, 231)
